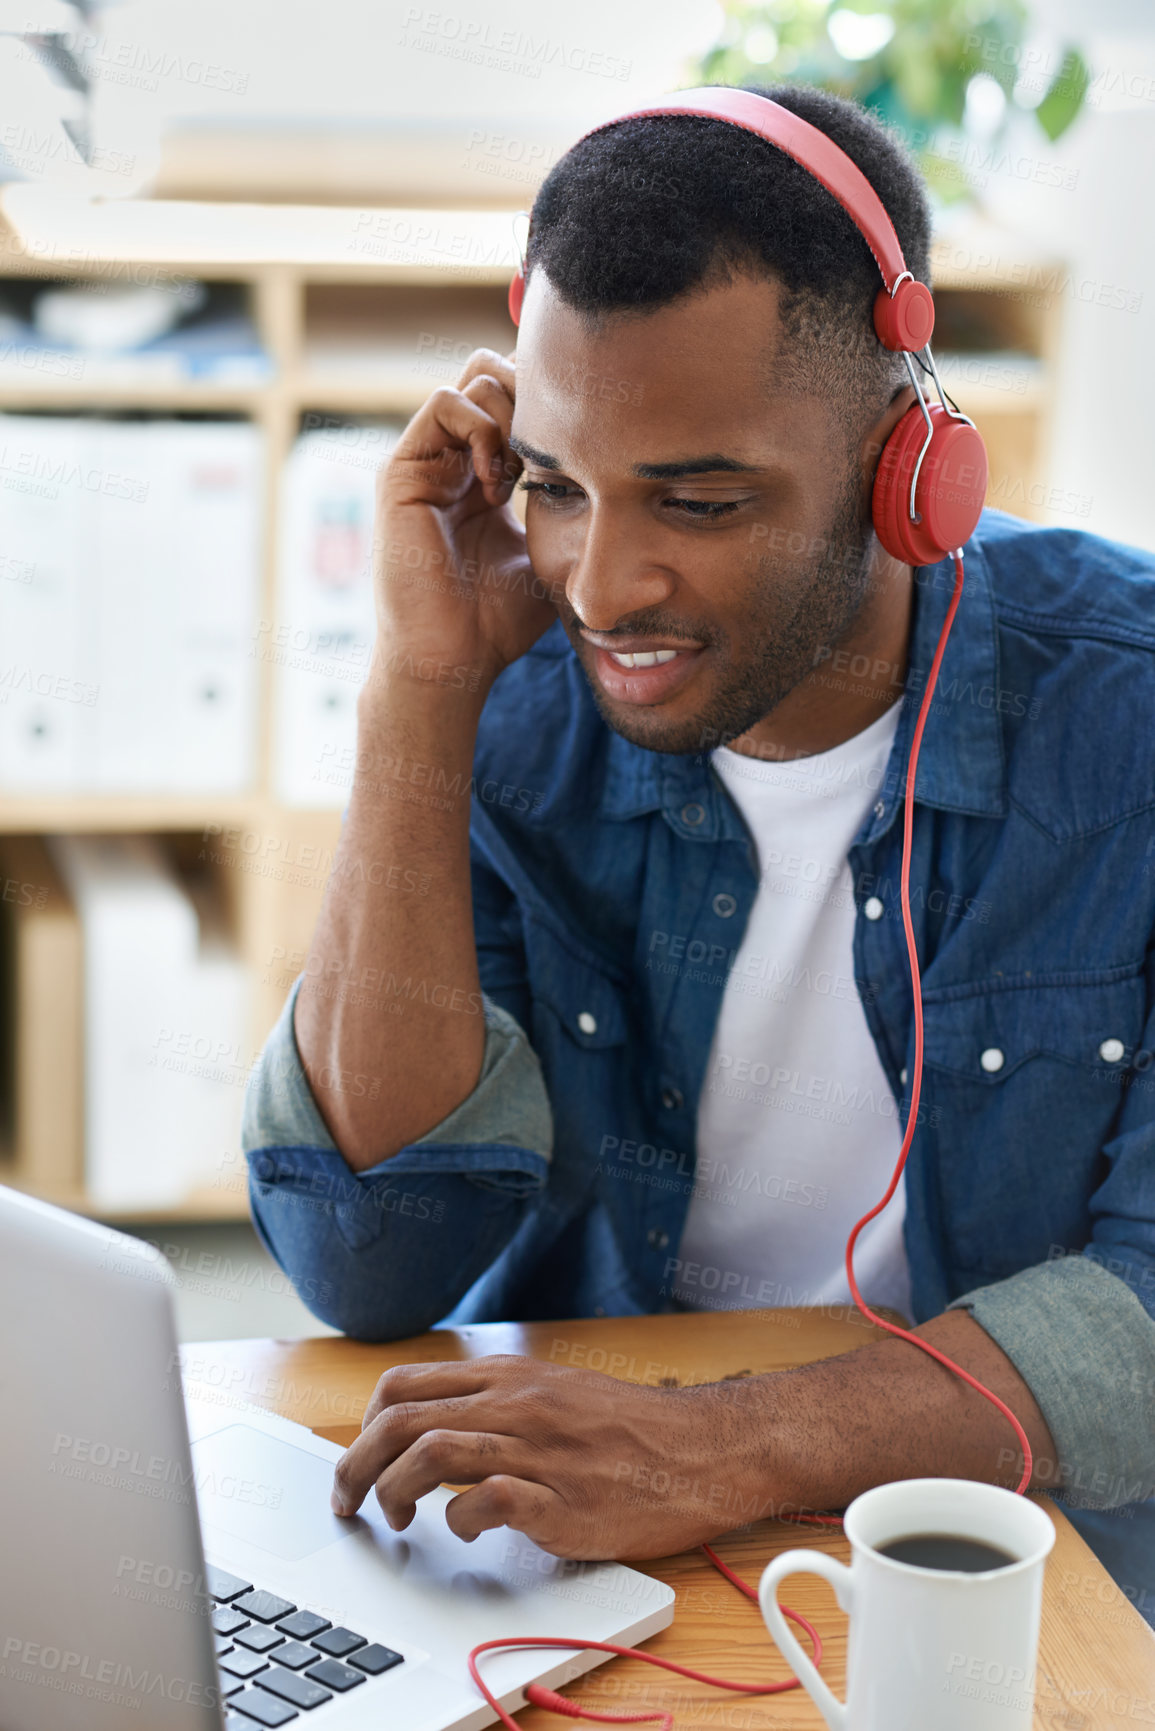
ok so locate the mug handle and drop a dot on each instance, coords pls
(812, 1563)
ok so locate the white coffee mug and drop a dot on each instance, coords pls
(928, 1647)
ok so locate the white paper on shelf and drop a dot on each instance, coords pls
(163, 1027)
(126, 659)
(322, 638)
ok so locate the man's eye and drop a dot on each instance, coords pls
(555, 493)
(705, 507)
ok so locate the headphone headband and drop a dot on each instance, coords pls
(903, 309)
(808, 147)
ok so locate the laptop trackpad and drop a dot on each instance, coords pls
(255, 1487)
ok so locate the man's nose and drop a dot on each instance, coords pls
(614, 575)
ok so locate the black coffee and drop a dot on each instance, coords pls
(946, 1551)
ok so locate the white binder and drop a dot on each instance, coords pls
(47, 687)
(128, 659)
(320, 643)
(177, 573)
(164, 1026)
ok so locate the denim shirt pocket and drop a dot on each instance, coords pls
(1023, 1079)
(572, 992)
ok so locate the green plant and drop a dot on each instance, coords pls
(910, 62)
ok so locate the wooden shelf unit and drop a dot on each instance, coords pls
(306, 300)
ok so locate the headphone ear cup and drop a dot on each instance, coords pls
(952, 484)
(890, 503)
(904, 320)
(516, 295)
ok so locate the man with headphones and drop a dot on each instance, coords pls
(638, 940)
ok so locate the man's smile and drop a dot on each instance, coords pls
(642, 669)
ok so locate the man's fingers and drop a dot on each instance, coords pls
(489, 394)
(488, 361)
(460, 430)
(413, 1398)
(503, 1500)
(446, 1457)
(458, 435)
(439, 1380)
(412, 1382)
(394, 1430)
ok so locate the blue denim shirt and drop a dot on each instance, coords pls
(611, 886)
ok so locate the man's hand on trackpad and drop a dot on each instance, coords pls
(584, 1465)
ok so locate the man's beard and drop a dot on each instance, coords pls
(778, 653)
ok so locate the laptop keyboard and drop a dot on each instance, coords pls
(276, 1661)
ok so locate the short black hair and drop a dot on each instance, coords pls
(650, 209)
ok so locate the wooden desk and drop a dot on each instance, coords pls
(1096, 1654)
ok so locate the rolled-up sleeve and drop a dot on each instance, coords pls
(1080, 1327)
(387, 1251)
(1085, 1347)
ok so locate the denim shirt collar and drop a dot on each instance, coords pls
(961, 763)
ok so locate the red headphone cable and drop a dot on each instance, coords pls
(912, 1115)
(538, 1694)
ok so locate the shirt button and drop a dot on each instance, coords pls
(880, 808)
(724, 905)
(992, 1059)
(1111, 1051)
(587, 1023)
(671, 1099)
(656, 1238)
(693, 815)
(902, 1077)
(872, 908)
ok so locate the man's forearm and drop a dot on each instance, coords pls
(889, 1411)
(389, 1020)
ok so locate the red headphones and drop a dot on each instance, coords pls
(932, 475)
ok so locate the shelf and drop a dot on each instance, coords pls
(368, 345)
(17, 396)
(58, 233)
(226, 1204)
(375, 393)
(57, 814)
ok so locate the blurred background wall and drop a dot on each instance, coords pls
(238, 247)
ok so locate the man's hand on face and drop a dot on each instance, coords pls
(584, 1465)
(453, 581)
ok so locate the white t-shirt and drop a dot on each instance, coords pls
(798, 1131)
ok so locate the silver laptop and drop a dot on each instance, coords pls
(171, 1565)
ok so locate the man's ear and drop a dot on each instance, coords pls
(875, 438)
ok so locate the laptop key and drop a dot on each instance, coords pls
(289, 1687)
(376, 1659)
(223, 1644)
(302, 1624)
(223, 1586)
(337, 1642)
(265, 1607)
(258, 1637)
(294, 1654)
(334, 1675)
(241, 1664)
(229, 1685)
(226, 1620)
(258, 1704)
